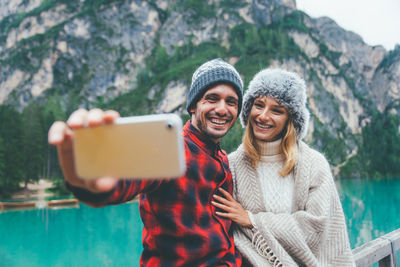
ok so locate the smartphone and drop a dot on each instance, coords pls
(139, 147)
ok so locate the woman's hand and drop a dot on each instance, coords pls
(233, 209)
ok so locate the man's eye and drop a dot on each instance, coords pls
(232, 103)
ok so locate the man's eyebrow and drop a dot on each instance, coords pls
(210, 94)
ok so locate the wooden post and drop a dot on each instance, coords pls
(390, 260)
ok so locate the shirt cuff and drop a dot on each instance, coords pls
(87, 196)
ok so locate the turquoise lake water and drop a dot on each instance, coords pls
(111, 236)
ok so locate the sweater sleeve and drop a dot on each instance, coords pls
(303, 233)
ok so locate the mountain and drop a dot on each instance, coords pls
(138, 56)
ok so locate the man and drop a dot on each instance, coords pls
(180, 224)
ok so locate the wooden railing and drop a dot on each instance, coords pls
(381, 250)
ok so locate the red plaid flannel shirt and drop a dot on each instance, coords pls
(180, 225)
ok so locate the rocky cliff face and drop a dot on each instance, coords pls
(104, 46)
(87, 53)
(108, 42)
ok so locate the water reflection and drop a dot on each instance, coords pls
(371, 208)
(81, 236)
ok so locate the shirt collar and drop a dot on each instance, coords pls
(200, 138)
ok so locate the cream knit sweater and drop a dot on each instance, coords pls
(277, 191)
(313, 234)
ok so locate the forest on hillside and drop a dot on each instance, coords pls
(25, 155)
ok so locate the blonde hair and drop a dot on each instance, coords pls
(288, 146)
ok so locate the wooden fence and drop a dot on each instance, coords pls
(381, 250)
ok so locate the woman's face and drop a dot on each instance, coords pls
(268, 119)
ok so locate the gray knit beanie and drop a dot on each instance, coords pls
(287, 88)
(213, 72)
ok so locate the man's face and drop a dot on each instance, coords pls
(216, 112)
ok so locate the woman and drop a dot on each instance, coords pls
(287, 207)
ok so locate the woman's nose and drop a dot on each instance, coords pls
(264, 115)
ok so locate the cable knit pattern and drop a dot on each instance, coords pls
(313, 234)
(277, 191)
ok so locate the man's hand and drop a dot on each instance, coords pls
(233, 209)
(62, 136)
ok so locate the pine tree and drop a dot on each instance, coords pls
(51, 112)
(11, 134)
(2, 165)
(33, 146)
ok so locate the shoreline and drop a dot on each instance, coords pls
(34, 196)
(34, 191)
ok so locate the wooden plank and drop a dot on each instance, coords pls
(62, 202)
(6, 205)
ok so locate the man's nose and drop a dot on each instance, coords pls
(221, 108)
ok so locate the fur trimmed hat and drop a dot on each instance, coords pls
(285, 87)
(213, 72)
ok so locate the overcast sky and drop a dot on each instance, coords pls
(376, 21)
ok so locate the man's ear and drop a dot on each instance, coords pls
(191, 114)
(192, 110)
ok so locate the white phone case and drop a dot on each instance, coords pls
(139, 147)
